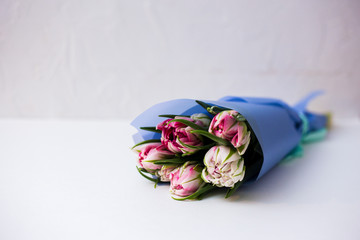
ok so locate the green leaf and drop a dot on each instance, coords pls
(141, 170)
(205, 188)
(168, 161)
(172, 116)
(212, 137)
(196, 147)
(188, 123)
(156, 183)
(215, 109)
(146, 141)
(211, 108)
(202, 104)
(232, 190)
(150, 129)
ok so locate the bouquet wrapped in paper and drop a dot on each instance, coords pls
(198, 146)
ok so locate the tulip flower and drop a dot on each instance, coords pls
(149, 152)
(201, 119)
(178, 137)
(185, 180)
(227, 126)
(164, 172)
(224, 166)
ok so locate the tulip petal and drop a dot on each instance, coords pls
(202, 190)
(224, 167)
(231, 191)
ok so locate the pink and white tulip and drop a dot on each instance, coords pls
(164, 172)
(226, 126)
(149, 152)
(185, 180)
(224, 166)
(178, 138)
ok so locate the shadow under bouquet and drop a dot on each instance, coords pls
(198, 146)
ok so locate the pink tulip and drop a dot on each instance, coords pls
(226, 126)
(177, 137)
(185, 180)
(152, 151)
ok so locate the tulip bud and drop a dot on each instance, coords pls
(149, 152)
(178, 138)
(226, 126)
(224, 166)
(164, 173)
(201, 119)
(185, 180)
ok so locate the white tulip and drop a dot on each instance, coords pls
(203, 118)
(224, 166)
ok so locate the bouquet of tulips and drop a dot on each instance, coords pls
(198, 146)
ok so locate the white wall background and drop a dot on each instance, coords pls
(114, 58)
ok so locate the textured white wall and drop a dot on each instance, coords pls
(68, 58)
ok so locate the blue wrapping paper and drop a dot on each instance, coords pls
(278, 127)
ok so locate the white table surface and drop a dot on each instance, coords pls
(77, 180)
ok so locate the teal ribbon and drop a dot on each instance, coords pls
(307, 137)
